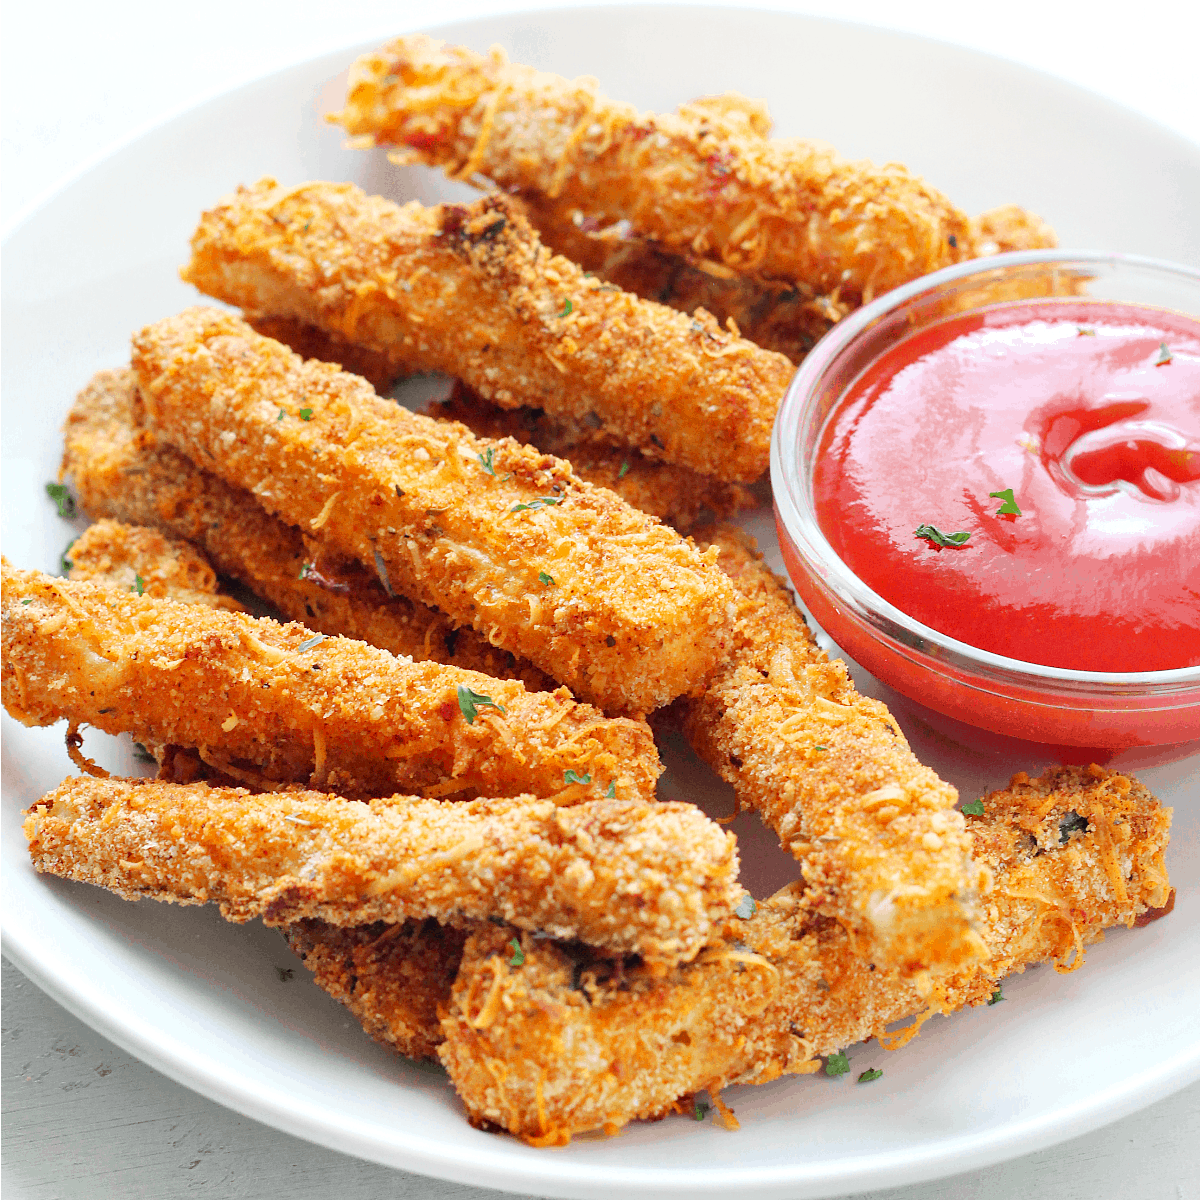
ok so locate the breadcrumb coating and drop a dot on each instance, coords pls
(634, 615)
(470, 291)
(877, 834)
(135, 559)
(632, 876)
(393, 977)
(700, 180)
(121, 469)
(284, 705)
(568, 1042)
(674, 494)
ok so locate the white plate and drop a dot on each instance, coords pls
(202, 1001)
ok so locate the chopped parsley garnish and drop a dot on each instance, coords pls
(1008, 505)
(1164, 355)
(306, 414)
(540, 502)
(486, 461)
(624, 469)
(282, 414)
(612, 790)
(935, 535)
(306, 569)
(309, 643)
(870, 1075)
(997, 996)
(699, 1110)
(572, 777)
(973, 808)
(567, 306)
(471, 702)
(63, 498)
(29, 601)
(548, 580)
(820, 747)
(837, 1064)
(746, 908)
(518, 955)
(138, 585)
(65, 563)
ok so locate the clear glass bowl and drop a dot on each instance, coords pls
(986, 690)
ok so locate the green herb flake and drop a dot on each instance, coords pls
(572, 777)
(700, 1110)
(63, 498)
(29, 601)
(997, 997)
(612, 790)
(624, 469)
(138, 585)
(305, 570)
(486, 461)
(820, 747)
(935, 535)
(837, 1064)
(471, 702)
(973, 808)
(567, 307)
(870, 1075)
(518, 955)
(548, 580)
(282, 414)
(65, 564)
(540, 502)
(746, 908)
(1164, 355)
(1008, 505)
(306, 414)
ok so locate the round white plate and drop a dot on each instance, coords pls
(203, 1001)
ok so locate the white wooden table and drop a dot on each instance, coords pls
(82, 1118)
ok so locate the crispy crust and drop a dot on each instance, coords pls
(470, 291)
(676, 495)
(120, 469)
(451, 519)
(699, 180)
(881, 845)
(135, 559)
(633, 876)
(339, 714)
(393, 977)
(566, 1043)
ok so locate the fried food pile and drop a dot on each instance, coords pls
(431, 766)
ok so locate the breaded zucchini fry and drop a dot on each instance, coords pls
(393, 977)
(674, 494)
(601, 597)
(788, 318)
(136, 559)
(565, 1043)
(120, 469)
(876, 832)
(283, 705)
(633, 876)
(470, 291)
(699, 180)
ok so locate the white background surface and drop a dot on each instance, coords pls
(84, 1119)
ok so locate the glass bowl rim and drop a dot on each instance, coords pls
(800, 523)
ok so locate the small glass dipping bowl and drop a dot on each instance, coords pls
(986, 690)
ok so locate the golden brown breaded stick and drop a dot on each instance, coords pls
(697, 180)
(496, 535)
(634, 876)
(470, 291)
(674, 494)
(786, 318)
(120, 469)
(829, 770)
(142, 560)
(565, 1043)
(294, 707)
(393, 977)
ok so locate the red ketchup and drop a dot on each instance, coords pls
(1089, 413)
